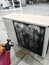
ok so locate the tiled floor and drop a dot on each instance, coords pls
(20, 58)
(37, 9)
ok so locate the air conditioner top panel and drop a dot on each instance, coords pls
(27, 18)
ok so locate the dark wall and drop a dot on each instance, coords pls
(47, 0)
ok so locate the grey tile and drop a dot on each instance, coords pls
(28, 60)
